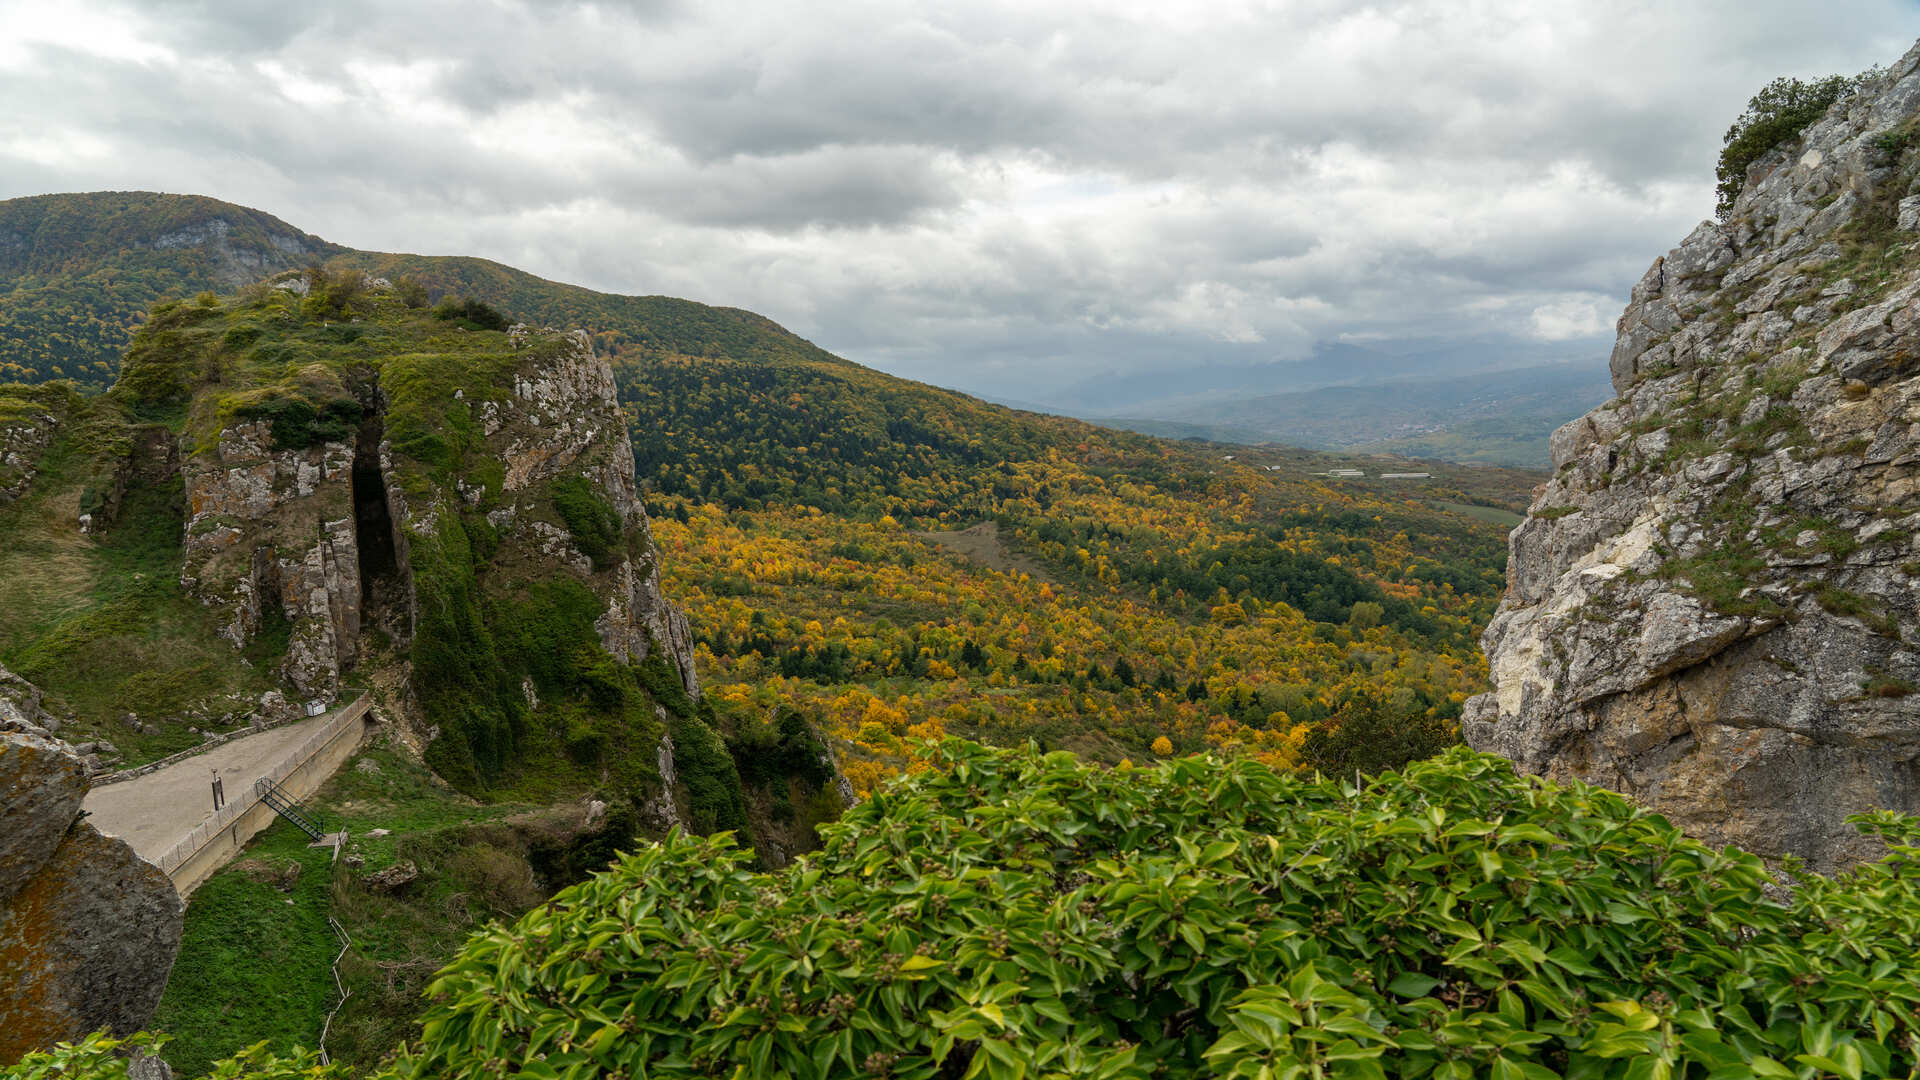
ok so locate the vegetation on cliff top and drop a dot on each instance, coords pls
(311, 367)
(1015, 914)
(484, 628)
(1778, 113)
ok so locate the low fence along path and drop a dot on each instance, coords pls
(160, 814)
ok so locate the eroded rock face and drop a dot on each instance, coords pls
(563, 419)
(88, 931)
(1713, 604)
(270, 535)
(273, 537)
(44, 781)
(23, 440)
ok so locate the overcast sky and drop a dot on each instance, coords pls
(1006, 198)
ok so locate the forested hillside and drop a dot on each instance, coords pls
(1135, 595)
(79, 272)
(1126, 593)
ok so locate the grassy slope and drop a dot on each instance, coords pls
(256, 957)
(100, 622)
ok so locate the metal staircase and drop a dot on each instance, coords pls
(288, 807)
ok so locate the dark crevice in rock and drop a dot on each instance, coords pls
(385, 591)
(372, 522)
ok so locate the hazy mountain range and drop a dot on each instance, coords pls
(1473, 403)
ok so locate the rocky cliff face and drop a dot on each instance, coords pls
(88, 932)
(270, 539)
(1714, 604)
(564, 419)
(23, 439)
(418, 491)
(274, 535)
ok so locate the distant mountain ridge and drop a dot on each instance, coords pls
(78, 273)
(1501, 417)
(1173, 394)
(51, 234)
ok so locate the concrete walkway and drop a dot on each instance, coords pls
(154, 812)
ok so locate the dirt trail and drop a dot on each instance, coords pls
(981, 543)
(156, 811)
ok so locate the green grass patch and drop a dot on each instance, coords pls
(101, 622)
(1492, 515)
(1853, 605)
(254, 959)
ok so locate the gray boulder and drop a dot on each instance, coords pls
(87, 944)
(88, 931)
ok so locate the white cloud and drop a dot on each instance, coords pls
(27, 25)
(1003, 196)
(1568, 319)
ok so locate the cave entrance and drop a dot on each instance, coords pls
(383, 586)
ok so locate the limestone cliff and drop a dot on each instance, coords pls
(24, 437)
(367, 482)
(1714, 603)
(275, 532)
(315, 483)
(88, 932)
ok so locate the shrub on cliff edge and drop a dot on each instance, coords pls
(1780, 111)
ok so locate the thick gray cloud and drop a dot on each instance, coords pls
(1006, 197)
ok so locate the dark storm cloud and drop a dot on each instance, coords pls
(1004, 196)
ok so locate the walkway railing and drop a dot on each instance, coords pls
(203, 834)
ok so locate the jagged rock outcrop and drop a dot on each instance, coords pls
(272, 532)
(21, 708)
(1713, 605)
(23, 439)
(563, 419)
(270, 536)
(88, 931)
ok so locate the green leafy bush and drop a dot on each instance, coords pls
(596, 527)
(297, 423)
(708, 774)
(411, 291)
(470, 313)
(767, 754)
(1016, 914)
(1023, 914)
(101, 1057)
(1779, 112)
(663, 684)
(1372, 736)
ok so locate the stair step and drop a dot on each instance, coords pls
(288, 807)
